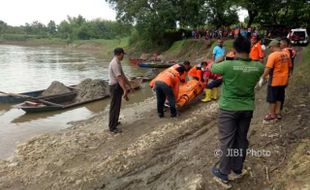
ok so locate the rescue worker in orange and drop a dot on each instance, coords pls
(285, 46)
(256, 53)
(187, 66)
(196, 72)
(167, 86)
(278, 68)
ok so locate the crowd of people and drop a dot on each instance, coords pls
(225, 32)
(238, 73)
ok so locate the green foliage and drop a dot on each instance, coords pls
(300, 75)
(51, 28)
(221, 13)
(289, 13)
(15, 37)
(154, 20)
(3, 26)
(74, 28)
(78, 28)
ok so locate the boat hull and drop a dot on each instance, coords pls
(63, 101)
(155, 65)
(8, 99)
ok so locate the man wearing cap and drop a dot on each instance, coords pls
(119, 86)
(278, 68)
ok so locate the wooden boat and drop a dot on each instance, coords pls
(62, 101)
(155, 64)
(136, 61)
(53, 103)
(7, 98)
(10, 98)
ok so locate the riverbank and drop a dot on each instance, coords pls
(154, 153)
(188, 49)
(100, 47)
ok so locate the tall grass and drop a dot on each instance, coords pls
(301, 77)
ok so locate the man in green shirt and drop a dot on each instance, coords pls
(236, 109)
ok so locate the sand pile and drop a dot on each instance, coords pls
(56, 88)
(90, 89)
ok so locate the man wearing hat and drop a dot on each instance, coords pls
(119, 87)
(278, 68)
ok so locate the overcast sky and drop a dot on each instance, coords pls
(18, 12)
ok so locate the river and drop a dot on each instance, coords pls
(32, 68)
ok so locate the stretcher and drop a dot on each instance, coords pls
(189, 91)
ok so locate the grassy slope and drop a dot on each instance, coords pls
(193, 49)
(296, 173)
(103, 47)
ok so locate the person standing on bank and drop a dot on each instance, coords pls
(119, 87)
(278, 68)
(236, 110)
(218, 53)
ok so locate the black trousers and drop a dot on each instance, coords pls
(214, 84)
(163, 91)
(116, 93)
(233, 129)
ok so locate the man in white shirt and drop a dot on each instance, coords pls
(119, 87)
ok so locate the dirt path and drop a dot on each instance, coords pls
(154, 153)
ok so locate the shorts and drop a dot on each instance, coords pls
(275, 93)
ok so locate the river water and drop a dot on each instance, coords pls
(32, 68)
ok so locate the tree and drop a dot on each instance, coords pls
(3, 27)
(65, 30)
(154, 17)
(221, 13)
(254, 8)
(51, 28)
(288, 13)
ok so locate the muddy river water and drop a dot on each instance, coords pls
(33, 68)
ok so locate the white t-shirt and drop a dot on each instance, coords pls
(115, 70)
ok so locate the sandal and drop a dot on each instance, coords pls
(269, 118)
(279, 116)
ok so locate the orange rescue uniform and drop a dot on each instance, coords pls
(256, 52)
(183, 76)
(291, 53)
(173, 67)
(171, 77)
(279, 62)
(196, 73)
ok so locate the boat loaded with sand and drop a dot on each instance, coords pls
(77, 97)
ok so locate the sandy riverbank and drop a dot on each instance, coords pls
(154, 153)
(151, 153)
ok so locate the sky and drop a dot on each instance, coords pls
(18, 12)
(242, 14)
